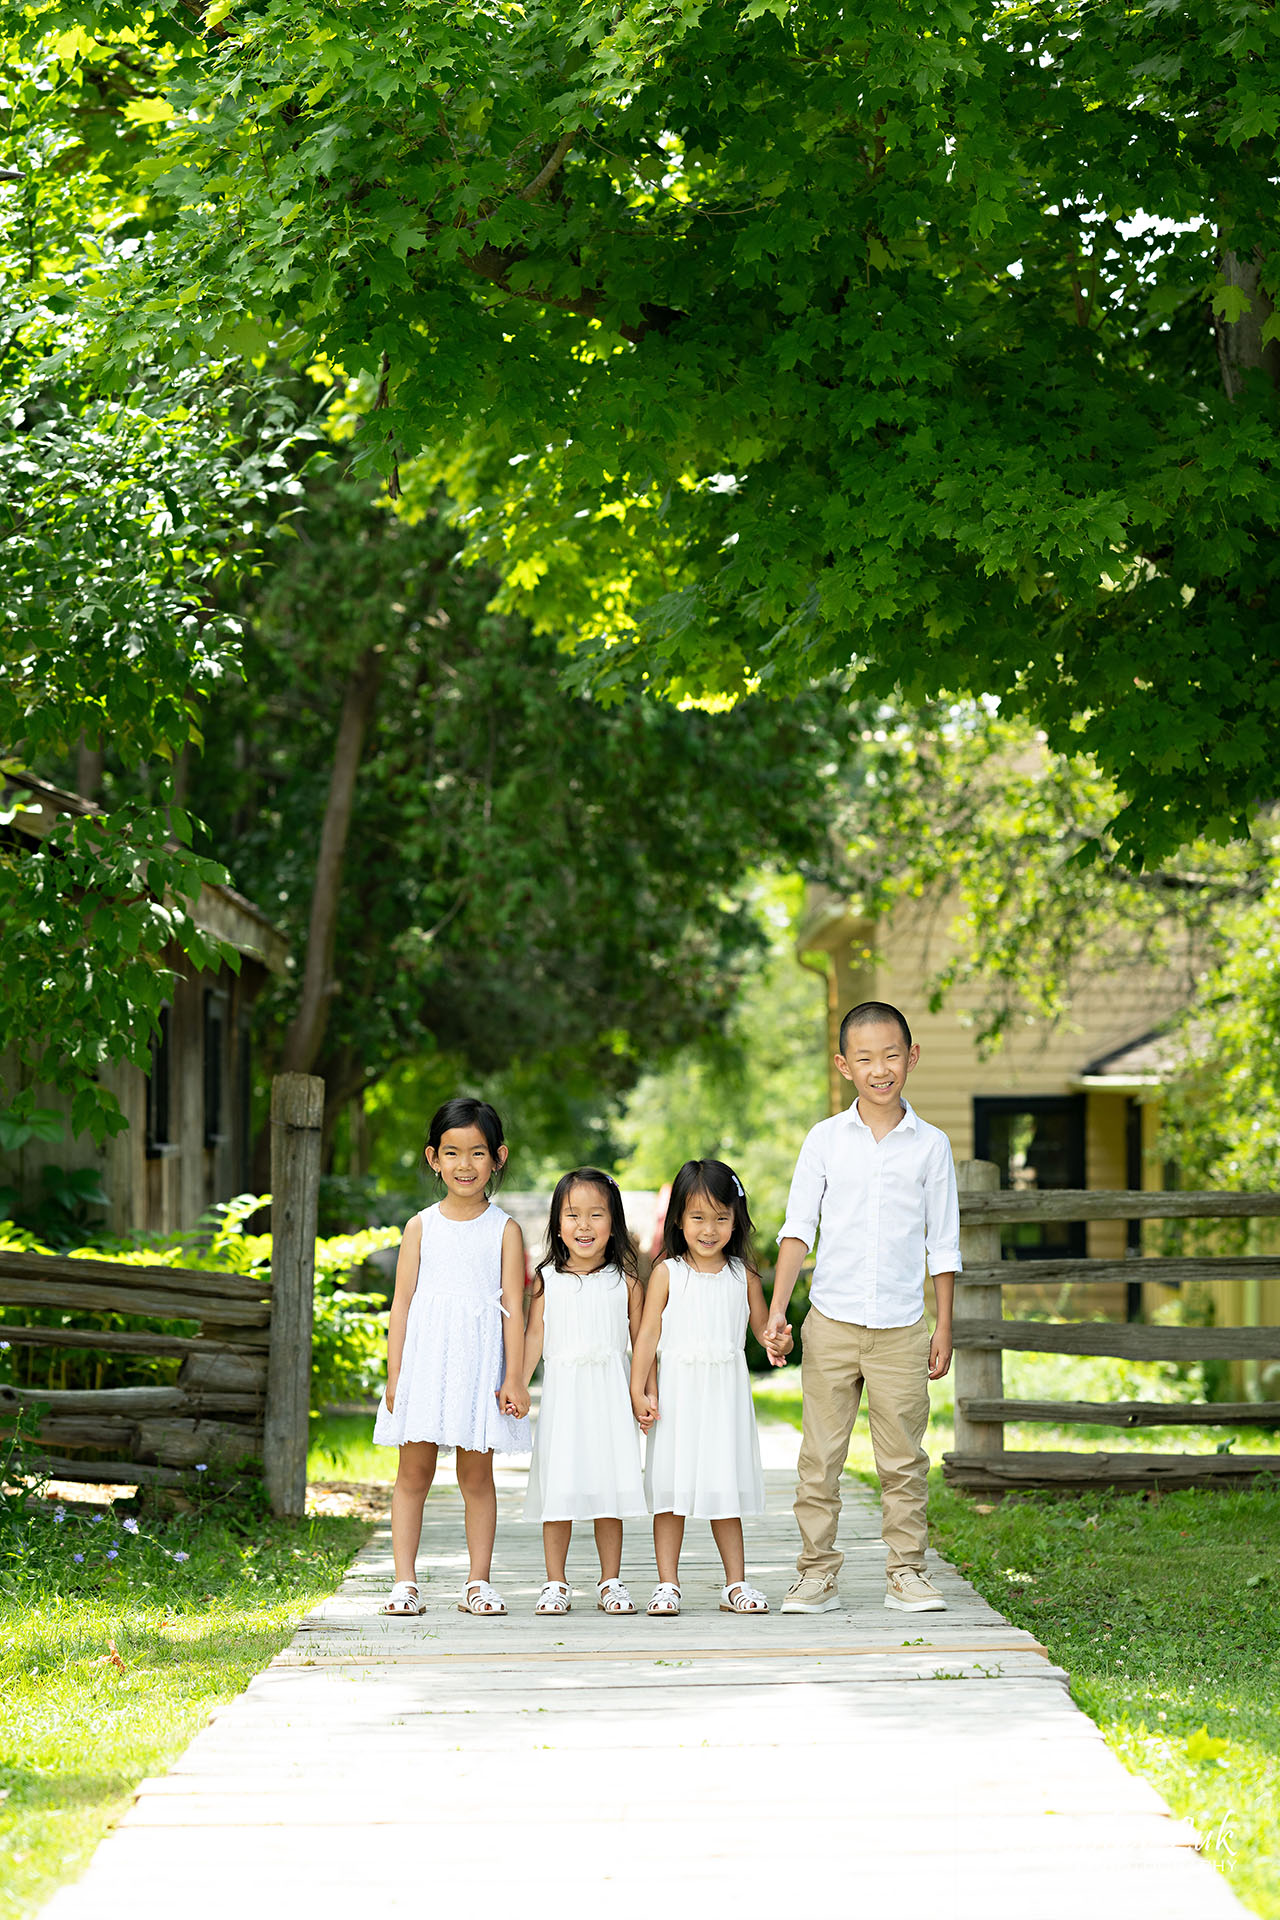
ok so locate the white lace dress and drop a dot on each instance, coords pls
(454, 1359)
(703, 1457)
(586, 1449)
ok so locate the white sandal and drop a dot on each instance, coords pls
(738, 1597)
(479, 1597)
(666, 1598)
(555, 1597)
(613, 1597)
(404, 1598)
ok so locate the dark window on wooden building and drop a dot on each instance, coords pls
(160, 1089)
(1037, 1141)
(215, 1058)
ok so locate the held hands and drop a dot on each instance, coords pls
(778, 1339)
(939, 1353)
(645, 1408)
(513, 1397)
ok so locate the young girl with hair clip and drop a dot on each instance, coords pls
(455, 1350)
(584, 1312)
(703, 1458)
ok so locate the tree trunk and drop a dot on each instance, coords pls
(1240, 343)
(306, 1033)
(89, 768)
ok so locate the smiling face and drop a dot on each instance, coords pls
(877, 1060)
(707, 1226)
(585, 1225)
(465, 1162)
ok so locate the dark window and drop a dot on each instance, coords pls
(244, 1101)
(215, 1048)
(1037, 1141)
(159, 1084)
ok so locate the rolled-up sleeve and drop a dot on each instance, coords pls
(804, 1201)
(941, 1211)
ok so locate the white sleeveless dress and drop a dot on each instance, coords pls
(586, 1449)
(703, 1457)
(454, 1359)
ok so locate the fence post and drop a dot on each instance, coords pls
(979, 1371)
(297, 1114)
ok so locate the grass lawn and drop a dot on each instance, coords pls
(1165, 1610)
(110, 1663)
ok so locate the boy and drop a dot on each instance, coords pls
(882, 1183)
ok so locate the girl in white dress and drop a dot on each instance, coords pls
(455, 1350)
(703, 1458)
(586, 1452)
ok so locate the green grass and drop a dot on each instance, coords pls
(341, 1448)
(1165, 1610)
(81, 1728)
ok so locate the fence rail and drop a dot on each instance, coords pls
(243, 1387)
(982, 1336)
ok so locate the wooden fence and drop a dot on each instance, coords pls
(244, 1385)
(982, 1336)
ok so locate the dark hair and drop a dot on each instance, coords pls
(619, 1248)
(868, 1013)
(721, 1184)
(464, 1112)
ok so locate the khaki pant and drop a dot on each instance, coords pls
(894, 1364)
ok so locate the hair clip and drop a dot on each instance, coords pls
(738, 1184)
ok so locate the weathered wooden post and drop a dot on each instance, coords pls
(297, 1114)
(979, 1370)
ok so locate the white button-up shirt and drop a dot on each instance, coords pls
(885, 1206)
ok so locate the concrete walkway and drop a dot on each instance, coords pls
(709, 1765)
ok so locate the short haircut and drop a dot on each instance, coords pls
(867, 1014)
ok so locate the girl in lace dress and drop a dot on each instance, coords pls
(586, 1453)
(703, 1458)
(455, 1350)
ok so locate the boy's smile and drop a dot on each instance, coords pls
(877, 1060)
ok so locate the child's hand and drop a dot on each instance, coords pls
(390, 1397)
(778, 1350)
(645, 1408)
(778, 1333)
(513, 1398)
(939, 1354)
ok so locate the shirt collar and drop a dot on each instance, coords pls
(907, 1124)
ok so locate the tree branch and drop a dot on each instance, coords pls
(550, 170)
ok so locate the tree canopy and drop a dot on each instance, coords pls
(527, 877)
(765, 338)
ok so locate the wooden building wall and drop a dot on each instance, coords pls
(165, 1185)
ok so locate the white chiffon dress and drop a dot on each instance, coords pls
(454, 1358)
(586, 1449)
(703, 1457)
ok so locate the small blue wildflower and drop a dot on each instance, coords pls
(4, 1346)
(130, 1526)
(111, 1553)
(97, 1519)
(182, 1556)
(203, 1467)
(78, 1558)
(59, 1515)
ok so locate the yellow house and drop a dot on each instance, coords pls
(1071, 1105)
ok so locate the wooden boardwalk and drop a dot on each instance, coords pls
(707, 1765)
